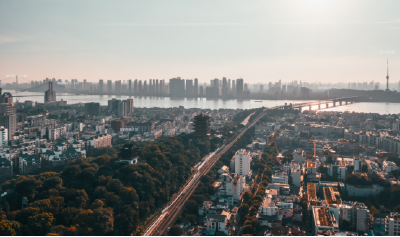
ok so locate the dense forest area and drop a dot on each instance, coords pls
(100, 196)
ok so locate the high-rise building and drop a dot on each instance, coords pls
(162, 86)
(92, 109)
(118, 86)
(216, 88)
(224, 91)
(109, 86)
(157, 87)
(234, 87)
(130, 86)
(196, 87)
(8, 113)
(177, 87)
(242, 162)
(201, 126)
(150, 87)
(50, 94)
(84, 84)
(239, 87)
(201, 91)
(135, 87)
(189, 87)
(145, 88)
(122, 108)
(113, 105)
(140, 87)
(3, 136)
(129, 106)
(101, 85)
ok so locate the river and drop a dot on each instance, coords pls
(167, 102)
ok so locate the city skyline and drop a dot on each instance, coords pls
(335, 41)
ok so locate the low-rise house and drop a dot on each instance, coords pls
(363, 191)
(378, 221)
(232, 186)
(268, 213)
(285, 209)
(29, 163)
(217, 222)
(129, 154)
(280, 177)
(389, 166)
(223, 170)
(6, 169)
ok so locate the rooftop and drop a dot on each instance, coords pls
(311, 191)
(332, 195)
(323, 217)
(242, 151)
(311, 165)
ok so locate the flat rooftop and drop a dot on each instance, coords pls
(311, 191)
(323, 217)
(311, 165)
(332, 195)
(266, 202)
(243, 151)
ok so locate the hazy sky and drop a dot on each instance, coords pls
(260, 41)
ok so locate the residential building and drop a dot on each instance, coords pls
(268, 212)
(324, 220)
(92, 109)
(6, 169)
(280, 177)
(338, 170)
(389, 166)
(242, 162)
(217, 222)
(3, 136)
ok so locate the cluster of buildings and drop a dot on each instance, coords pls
(326, 147)
(232, 182)
(54, 132)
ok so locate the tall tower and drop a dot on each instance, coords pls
(387, 76)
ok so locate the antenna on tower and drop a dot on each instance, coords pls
(387, 65)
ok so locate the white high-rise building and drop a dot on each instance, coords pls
(357, 164)
(242, 162)
(3, 136)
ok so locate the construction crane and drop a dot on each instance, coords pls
(315, 145)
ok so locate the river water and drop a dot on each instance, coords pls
(167, 102)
